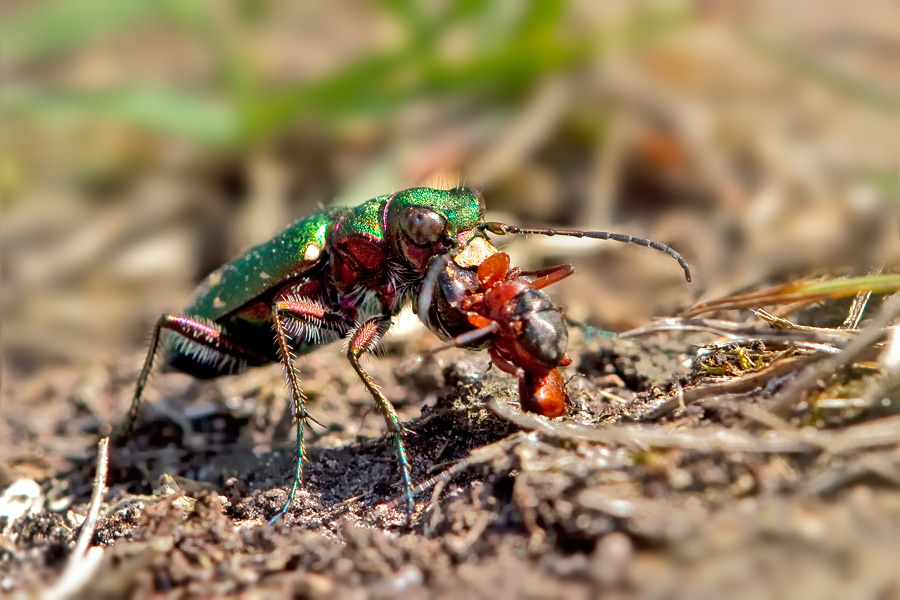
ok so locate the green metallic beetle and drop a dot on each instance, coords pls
(341, 273)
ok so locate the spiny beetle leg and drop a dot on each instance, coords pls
(363, 340)
(313, 316)
(193, 330)
(503, 229)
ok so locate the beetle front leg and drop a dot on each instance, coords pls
(363, 340)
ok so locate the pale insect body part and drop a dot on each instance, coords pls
(174, 343)
(312, 253)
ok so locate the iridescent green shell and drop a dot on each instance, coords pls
(304, 244)
(286, 256)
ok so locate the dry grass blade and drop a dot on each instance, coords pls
(881, 432)
(83, 562)
(716, 439)
(736, 330)
(782, 323)
(799, 291)
(882, 465)
(859, 304)
(784, 400)
(739, 385)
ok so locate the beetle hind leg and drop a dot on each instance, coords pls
(196, 332)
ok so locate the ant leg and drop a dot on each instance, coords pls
(503, 229)
(549, 276)
(362, 340)
(504, 365)
(312, 315)
(462, 340)
(206, 335)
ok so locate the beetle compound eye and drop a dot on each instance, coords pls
(422, 226)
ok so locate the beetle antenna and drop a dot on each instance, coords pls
(504, 229)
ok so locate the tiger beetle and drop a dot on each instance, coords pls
(341, 273)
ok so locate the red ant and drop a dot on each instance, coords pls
(503, 309)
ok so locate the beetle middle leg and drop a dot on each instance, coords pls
(362, 340)
(315, 317)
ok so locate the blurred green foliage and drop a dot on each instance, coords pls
(817, 70)
(514, 46)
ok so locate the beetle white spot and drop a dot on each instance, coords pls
(264, 275)
(214, 278)
(218, 303)
(312, 253)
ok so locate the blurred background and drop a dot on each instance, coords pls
(146, 142)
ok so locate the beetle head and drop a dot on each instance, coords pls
(426, 222)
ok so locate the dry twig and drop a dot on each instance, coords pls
(83, 561)
(881, 432)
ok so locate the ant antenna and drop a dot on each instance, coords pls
(504, 229)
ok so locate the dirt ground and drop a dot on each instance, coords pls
(742, 440)
(535, 512)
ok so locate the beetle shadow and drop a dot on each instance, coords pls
(201, 443)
